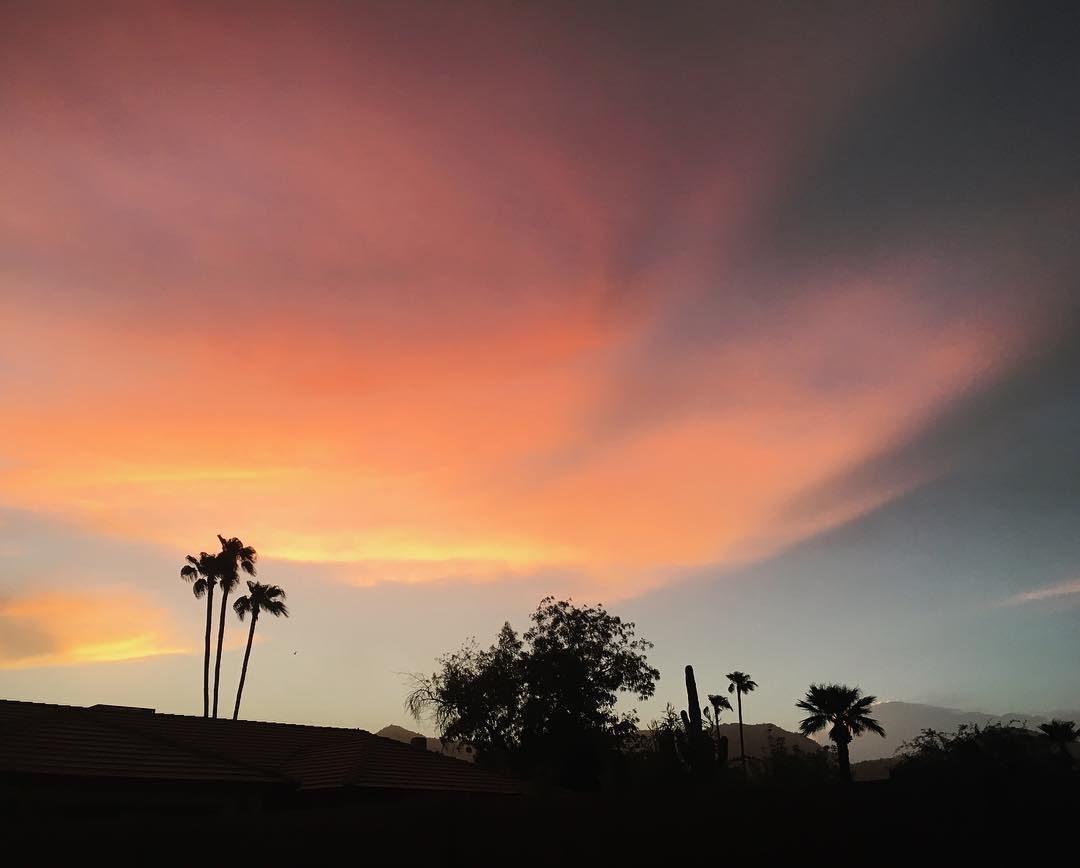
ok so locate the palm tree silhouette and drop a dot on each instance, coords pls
(234, 557)
(260, 598)
(203, 572)
(719, 703)
(845, 710)
(740, 683)
(1060, 732)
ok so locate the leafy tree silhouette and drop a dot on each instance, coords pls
(741, 683)
(845, 711)
(234, 556)
(203, 572)
(1060, 732)
(259, 598)
(542, 703)
(995, 757)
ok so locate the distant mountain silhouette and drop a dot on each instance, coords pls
(399, 733)
(905, 720)
(757, 737)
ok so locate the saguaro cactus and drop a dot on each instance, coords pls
(693, 705)
(698, 748)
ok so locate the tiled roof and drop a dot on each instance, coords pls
(111, 742)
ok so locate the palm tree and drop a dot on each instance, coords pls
(740, 683)
(845, 710)
(234, 557)
(260, 598)
(719, 703)
(203, 572)
(1060, 732)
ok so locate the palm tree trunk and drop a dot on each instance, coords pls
(243, 670)
(220, 636)
(844, 760)
(716, 743)
(206, 656)
(742, 744)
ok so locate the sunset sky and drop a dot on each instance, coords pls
(758, 323)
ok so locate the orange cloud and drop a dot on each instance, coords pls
(71, 629)
(487, 456)
(305, 287)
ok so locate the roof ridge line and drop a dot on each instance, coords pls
(197, 749)
(58, 705)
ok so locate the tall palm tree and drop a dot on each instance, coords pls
(719, 703)
(845, 710)
(260, 598)
(741, 683)
(235, 556)
(1060, 732)
(203, 571)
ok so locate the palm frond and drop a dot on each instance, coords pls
(719, 701)
(265, 598)
(234, 557)
(1061, 731)
(277, 609)
(740, 682)
(844, 707)
(813, 723)
(242, 605)
(864, 703)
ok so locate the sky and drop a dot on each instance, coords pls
(757, 323)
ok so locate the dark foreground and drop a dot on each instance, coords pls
(869, 823)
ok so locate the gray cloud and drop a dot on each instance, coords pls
(979, 128)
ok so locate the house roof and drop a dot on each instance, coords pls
(129, 743)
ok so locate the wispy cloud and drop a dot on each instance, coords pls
(1063, 589)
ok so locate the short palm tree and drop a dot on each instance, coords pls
(845, 711)
(740, 683)
(719, 703)
(235, 556)
(1060, 732)
(260, 598)
(203, 571)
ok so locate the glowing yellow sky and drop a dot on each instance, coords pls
(75, 628)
